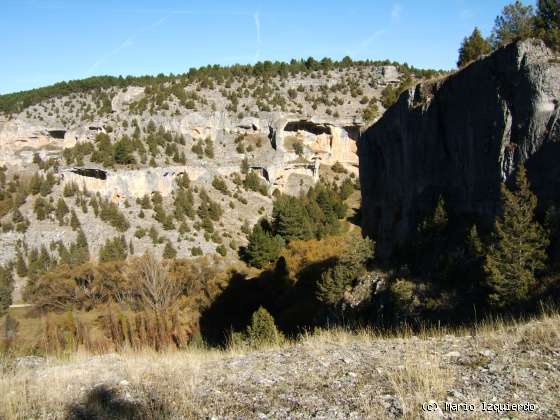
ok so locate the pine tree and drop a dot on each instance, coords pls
(21, 266)
(473, 47)
(157, 198)
(38, 262)
(263, 247)
(70, 189)
(245, 166)
(74, 221)
(469, 268)
(104, 153)
(221, 249)
(547, 22)
(263, 331)
(111, 214)
(94, 205)
(79, 251)
(114, 250)
(183, 181)
(154, 235)
(17, 217)
(519, 246)
(169, 251)
(209, 149)
(41, 208)
(63, 254)
(291, 219)
(6, 289)
(298, 147)
(35, 184)
(353, 262)
(32, 262)
(437, 222)
(46, 185)
(208, 208)
(428, 250)
(515, 22)
(45, 259)
(145, 202)
(61, 210)
(184, 204)
(475, 247)
(123, 152)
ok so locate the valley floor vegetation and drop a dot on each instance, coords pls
(307, 267)
(124, 301)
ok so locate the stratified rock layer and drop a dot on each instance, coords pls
(461, 137)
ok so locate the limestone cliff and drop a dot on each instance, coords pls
(460, 137)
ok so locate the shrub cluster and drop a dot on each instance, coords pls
(314, 215)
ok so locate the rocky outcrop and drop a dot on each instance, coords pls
(325, 141)
(330, 141)
(20, 140)
(124, 98)
(124, 184)
(389, 75)
(461, 137)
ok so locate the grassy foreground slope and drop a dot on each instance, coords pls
(329, 374)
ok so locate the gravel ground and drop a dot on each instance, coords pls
(332, 375)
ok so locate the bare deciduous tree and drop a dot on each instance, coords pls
(158, 290)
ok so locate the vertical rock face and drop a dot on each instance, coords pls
(461, 138)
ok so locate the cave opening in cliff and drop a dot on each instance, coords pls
(308, 126)
(264, 174)
(91, 173)
(353, 131)
(57, 134)
(272, 137)
(261, 171)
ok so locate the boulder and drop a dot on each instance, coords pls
(460, 137)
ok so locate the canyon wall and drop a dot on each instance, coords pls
(461, 137)
(325, 141)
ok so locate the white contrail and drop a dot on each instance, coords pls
(125, 44)
(128, 42)
(367, 41)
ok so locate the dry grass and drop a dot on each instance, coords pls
(148, 384)
(421, 378)
(167, 382)
(543, 331)
(500, 333)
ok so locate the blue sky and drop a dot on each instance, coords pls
(46, 41)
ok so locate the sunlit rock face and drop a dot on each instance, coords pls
(123, 184)
(329, 141)
(20, 140)
(325, 142)
(461, 137)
